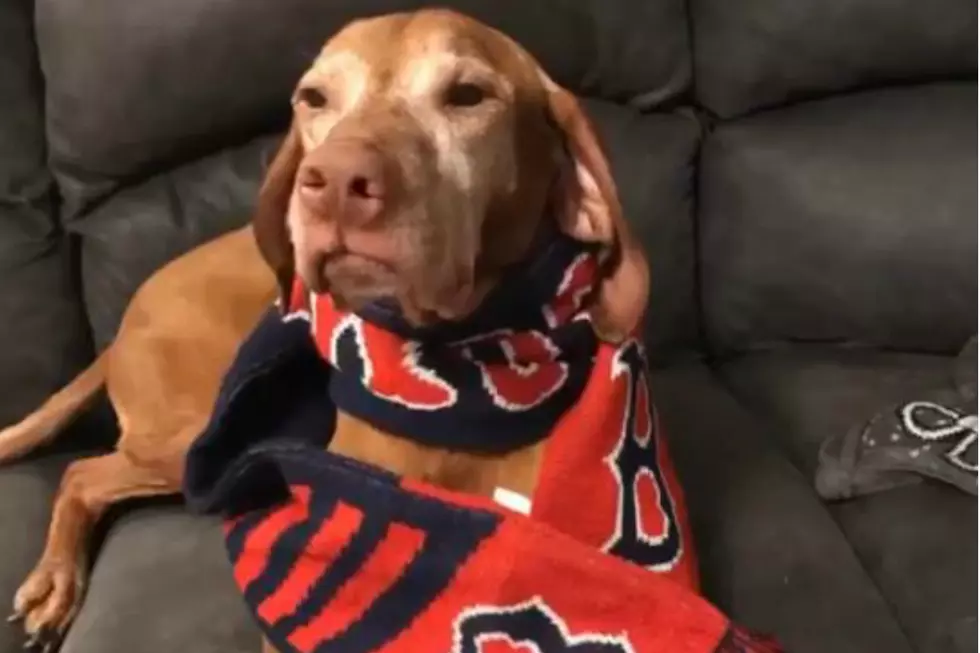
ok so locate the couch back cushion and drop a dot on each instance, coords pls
(851, 219)
(133, 85)
(753, 54)
(43, 338)
(152, 108)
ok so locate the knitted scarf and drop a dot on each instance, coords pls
(335, 555)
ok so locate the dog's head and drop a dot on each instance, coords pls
(425, 150)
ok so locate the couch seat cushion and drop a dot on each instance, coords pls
(770, 553)
(161, 583)
(26, 491)
(918, 543)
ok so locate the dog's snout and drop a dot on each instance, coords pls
(345, 181)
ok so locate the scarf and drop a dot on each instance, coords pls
(335, 555)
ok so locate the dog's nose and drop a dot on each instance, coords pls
(344, 181)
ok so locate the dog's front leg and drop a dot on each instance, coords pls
(51, 595)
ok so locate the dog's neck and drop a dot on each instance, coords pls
(516, 230)
(494, 381)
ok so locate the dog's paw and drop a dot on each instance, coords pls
(47, 602)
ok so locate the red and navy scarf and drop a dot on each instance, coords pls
(334, 555)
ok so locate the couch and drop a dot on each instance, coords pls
(802, 174)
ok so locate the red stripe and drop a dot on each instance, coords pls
(258, 545)
(323, 548)
(383, 567)
(228, 525)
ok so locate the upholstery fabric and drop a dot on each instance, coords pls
(107, 62)
(43, 340)
(162, 584)
(654, 157)
(26, 491)
(770, 555)
(141, 227)
(759, 53)
(850, 219)
(918, 543)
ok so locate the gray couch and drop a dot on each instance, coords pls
(802, 173)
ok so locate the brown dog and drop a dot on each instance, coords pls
(425, 151)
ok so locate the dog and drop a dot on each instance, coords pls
(426, 152)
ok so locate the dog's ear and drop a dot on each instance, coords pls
(591, 212)
(269, 221)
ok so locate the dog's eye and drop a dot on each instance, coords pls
(464, 95)
(311, 97)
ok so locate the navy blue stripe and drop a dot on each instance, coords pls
(276, 385)
(326, 493)
(350, 560)
(451, 540)
(283, 555)
(235, 539)
(292, 544)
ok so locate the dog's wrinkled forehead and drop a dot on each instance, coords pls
(411, 57)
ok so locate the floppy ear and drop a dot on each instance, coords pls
(591, 212)
(269, 221)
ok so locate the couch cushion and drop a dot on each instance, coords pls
(756, 53)
(653, 157)
(44, 340)
(42, 334)
(770, 554)
(26, 491)
(161, 583)
(145, 86)
(919, 543)
(849, 219)
(818, 392)
(143, 226)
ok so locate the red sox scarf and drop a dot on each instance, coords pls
(334, 555)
